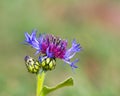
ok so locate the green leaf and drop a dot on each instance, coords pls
(67, 82)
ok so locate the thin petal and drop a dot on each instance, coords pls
(37, 52)
(73, 50)
(72, 64)
(27, 37)
(71, 56)
(33, 35)
(49, 54)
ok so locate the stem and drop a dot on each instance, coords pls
(40, 80)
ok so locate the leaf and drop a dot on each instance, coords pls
(67, 82)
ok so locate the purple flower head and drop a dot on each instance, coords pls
(53, 47)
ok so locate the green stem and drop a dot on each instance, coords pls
(40, 80)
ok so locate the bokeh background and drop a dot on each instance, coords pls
(94, 23)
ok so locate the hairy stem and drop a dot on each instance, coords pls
(40, 80)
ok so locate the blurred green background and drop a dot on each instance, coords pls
(94, 23)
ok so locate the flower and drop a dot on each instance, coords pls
(32, 40)
(53, 47)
